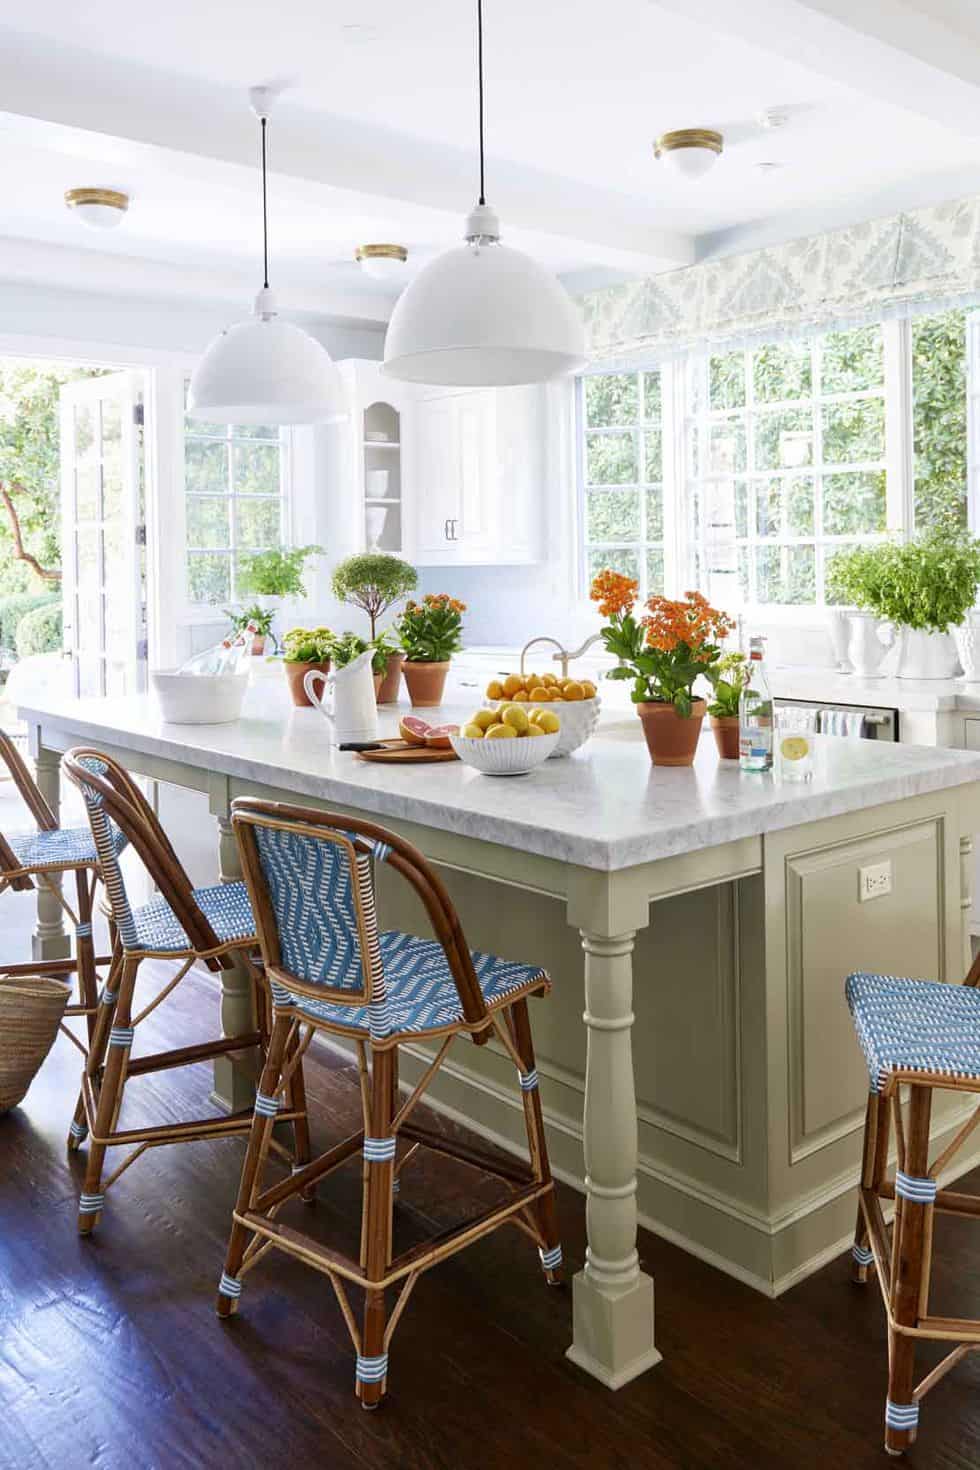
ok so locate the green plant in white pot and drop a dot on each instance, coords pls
(273, 575)
(923, 588)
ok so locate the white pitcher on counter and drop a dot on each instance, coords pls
(347, 702)
(869, 640)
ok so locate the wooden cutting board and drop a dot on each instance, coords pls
(399, 752)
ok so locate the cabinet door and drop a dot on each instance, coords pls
(437, 480)
(476, 433)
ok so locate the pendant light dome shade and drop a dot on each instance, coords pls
(483, 315)
(264, 371)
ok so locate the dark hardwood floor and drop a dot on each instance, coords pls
(111, 1354)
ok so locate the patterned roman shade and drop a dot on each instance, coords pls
(881, 268)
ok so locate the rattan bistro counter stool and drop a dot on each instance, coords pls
(310, 878)
(39, 860)
(181, 924)
(921, 1035)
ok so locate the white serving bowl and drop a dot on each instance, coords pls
(505, 757)
(199, 699)
(579, 718)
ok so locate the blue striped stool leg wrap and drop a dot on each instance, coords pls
(551, 1259)
(90, 1204)
(121, 1036)
(379, 1150)
(77, 1130)
(265, 1106)
(108, 997)
(919, 1191)
(862, 1255)
(83, 931)
(396, 1185)
(901, 1416)
(528, 1080)
(382, 850)
(371, 1370)
(229, 1286)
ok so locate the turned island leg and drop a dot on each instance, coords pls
(612, 1298)
(234, 1074)
(49, 941)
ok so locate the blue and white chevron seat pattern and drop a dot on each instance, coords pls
(915, 1026)
(420, 992)
(323, 901)
(226, 907)
(66, 847)
(104, 832)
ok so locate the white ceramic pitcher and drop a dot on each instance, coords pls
(347, 702)
(868, 643)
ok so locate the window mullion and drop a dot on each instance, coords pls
(899, 452)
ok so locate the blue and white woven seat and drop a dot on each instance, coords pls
(65, 847)
(225, 906)
(915, 1026)
(420, 993)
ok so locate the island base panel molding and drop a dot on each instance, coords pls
(236, 1074)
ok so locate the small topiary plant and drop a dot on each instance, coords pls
(373, 581)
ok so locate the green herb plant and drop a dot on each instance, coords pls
(308, 645)
(430, 631)
(928, 583)
(278, 572)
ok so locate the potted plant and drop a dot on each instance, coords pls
(348, 646)
(429, 633)
(269, 576)
(662, 653)
(374, 581)
(923, 588)
(305, 649)
(262, 619)
(728, 678)
(388, 660)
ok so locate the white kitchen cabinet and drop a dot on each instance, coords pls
(478, 475)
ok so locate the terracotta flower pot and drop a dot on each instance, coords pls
(391, 680)
(258, 644)
(672, 739)
(425, 682)
(725, 728)
(296, 673)
(378, 681)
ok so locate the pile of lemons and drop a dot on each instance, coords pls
(510, 722)
(540, 689)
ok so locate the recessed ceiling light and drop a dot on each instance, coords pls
(358, 35)
(689, 151)
(773, 118)
(100, 209)
(769, 166)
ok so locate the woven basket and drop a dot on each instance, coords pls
(31, 1007)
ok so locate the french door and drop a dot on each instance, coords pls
(103, 533)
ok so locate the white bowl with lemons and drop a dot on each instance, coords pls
(505, 741)
(573, 701)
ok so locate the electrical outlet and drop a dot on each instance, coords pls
(874, 881)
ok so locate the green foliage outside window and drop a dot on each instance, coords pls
(40, 631)
(939, 418)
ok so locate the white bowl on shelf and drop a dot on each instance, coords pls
(377, 436)
(504, 757)
(579, 718)
(199, 699)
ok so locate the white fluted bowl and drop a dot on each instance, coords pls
(579, 719)
(505, 757)
(199, 699)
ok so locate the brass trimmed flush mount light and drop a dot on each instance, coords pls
(101, 209)
(690, 151)
(382, 262)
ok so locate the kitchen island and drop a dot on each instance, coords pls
(716, 1083)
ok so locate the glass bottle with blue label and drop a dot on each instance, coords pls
(755, 714)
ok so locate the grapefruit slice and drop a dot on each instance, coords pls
(437, 736)
(414, 730)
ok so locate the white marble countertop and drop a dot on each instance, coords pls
(605, 807)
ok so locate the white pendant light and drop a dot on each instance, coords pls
(483, 314)
(264, 370)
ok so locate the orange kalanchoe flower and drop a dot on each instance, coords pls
(614, 592)
(693, 621)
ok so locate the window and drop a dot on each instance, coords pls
(786, 464)
(623, 476)
(785, 455)
(234, 481)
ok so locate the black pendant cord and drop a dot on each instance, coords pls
(479, 60)
(265, 214)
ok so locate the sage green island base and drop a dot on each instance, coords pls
(697, 1063)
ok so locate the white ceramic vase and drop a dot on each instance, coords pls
(924, 654)
(867, 644)
(967, 637)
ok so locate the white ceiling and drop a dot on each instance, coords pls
(375, 136)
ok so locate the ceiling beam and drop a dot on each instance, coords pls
(920, 55)
(363, 166)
